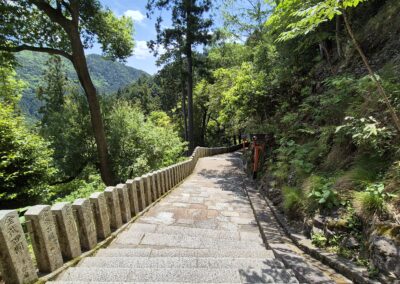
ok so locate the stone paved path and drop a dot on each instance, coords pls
(204, 231)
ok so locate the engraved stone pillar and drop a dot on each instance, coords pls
(147, 188)
(67, 231)
(124, 202)
(133, 196)
(140, 191)
(114, 209)
(101, 217)
(42, 230)
(16, 263)
(85, 222)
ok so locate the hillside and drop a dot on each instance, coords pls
(108, 76)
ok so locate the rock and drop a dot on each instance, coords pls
(316, 230)
(319, 221)
(307, 227)
(350, 243)
(385, 254)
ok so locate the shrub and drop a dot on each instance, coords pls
(293, 202)
(319, 240)
(320, 193)
(372, 201)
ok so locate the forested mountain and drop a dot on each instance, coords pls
(108, 76)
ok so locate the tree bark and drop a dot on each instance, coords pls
(337, 36)
(184, 112)
(379, 86)
(189, 58)
(80, 65)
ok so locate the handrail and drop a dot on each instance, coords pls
(63, 231)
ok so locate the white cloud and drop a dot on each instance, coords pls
(143, 52)
(136, 15)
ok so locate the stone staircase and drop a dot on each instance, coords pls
(203, 232)
(192, 256)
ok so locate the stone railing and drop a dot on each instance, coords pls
(62, 232)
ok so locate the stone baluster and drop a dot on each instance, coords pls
(67, 230)
(101, 217)
(141, 195)
(133, 196)
(16, 263)
(147, 189)
(153, 181)
(114, 209)
(85, 222)
(43, 233)
(124, 202)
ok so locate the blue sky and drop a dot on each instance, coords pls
(144, 31)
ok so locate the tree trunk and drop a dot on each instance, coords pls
(184, 112)
(204, 126)
(80, 64)
(189, 80)
(337, 36)
(379, 86)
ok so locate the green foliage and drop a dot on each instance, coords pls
(108, 76)
(372, 201)
(65, 121)
(293, 202)
(368, 132)
(25, 158)
(319, 240)
(295, 18)
(22, 22)
(88, 181)
(320, 193)
(137, 145)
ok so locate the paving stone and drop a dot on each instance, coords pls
(203, 231)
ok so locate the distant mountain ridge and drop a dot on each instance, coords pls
(108, 76)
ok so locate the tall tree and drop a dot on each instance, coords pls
(67, 28)
(189, 28)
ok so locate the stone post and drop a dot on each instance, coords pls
(140, 190)
(85, 221)
(147, 188)
(101, 217)
(133, 196)
(171, 176)
(16, 263)
(42, 229)
(67, 231)
(124, 202)
(153, 182)
(114, 209)
(167, 180)
(164, 181)
(159, 183)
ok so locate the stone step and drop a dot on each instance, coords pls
(181, 252)
(195, 232)
(180, 262)
(133, 239)
(192, 275)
